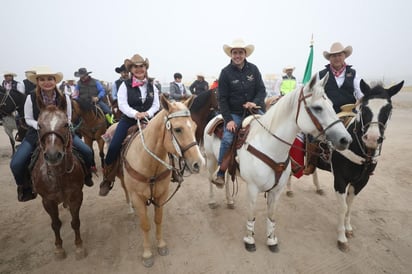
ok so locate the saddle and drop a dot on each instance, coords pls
(229, 162)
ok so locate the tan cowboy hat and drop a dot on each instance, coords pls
(81, 72)
(288, 68)
(9, 73)
(136, 60)
(238, 44)
(44, 71)
(337, 48)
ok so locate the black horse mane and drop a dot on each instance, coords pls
(199, 101)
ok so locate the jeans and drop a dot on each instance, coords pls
(85, 150)
(117, 140)
(104, 107)
(227, 138)
(20, 161)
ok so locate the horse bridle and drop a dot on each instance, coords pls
(322, 131)
(64, 138)
(4, 99)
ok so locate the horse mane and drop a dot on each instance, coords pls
(277, 112)
(199, 101)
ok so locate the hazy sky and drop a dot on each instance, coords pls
(187, 35)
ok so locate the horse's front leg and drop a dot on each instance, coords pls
(289, 191)
(316, 183)
(158, 218)
(349, 201)
(342, 211)
(249, 239)
(272, 198)
(75, 205)
(52, 209)
(141, 211)
(100, 144)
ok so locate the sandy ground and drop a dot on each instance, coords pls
(204, 240)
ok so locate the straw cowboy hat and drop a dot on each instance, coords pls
(288, 68)
(9, 73)
(120, 69)
(238, 44)
(81, 72)
(136, 60)
(32, 77)
(337, 48)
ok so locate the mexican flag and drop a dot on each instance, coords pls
(297, 152)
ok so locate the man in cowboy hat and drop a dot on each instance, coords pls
(342, 88)
(199, 85)
(241, 88)
(288, 82)
(124, 75)
(9, 83)
(90, 90)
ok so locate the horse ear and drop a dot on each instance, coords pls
(164, 102)
(312, 81)
(395, 89)
(189, 101)
(365, 88)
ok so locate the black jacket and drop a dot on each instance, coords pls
(238, 86)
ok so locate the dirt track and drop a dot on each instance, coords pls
(202, 240)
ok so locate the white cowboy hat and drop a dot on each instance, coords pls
(288, 68)
(136, 60)
(238, 44)
(9, 73)
(44, 71)
(337, 48)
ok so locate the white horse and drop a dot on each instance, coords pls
(307, 110)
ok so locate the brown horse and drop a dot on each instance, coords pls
(92, 125)
(147, 170)
(58, 175)
(203, 109)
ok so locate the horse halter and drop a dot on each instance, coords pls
(64, 138)
(365, 126)
(178, 147)
(322, 131)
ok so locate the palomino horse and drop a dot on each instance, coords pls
(203, 109)
(10, 102)
(92, 125)
(264, 157)
(352, 167)
(147, 172)
(58, 175)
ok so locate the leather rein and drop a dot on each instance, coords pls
(279, 167)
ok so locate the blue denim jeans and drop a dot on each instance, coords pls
(117, 140)
(227, 138)
(106, 109)
(85, 150)
(21, 160)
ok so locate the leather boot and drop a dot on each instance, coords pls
(25, 194)
(109, 176)
(312, 157)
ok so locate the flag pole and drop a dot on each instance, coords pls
(308, 70)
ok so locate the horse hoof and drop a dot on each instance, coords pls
(289, 193)
(59, 254)
(273, 248)
(250, 247)
(231, 205)
(213, 205)
(349, 234)
(320, 192)
(148, 262)
(80, 253)
(163, 251)
(344, 247)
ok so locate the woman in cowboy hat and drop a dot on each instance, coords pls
(46, 93)
(138, 99)
(342, 88)
(240, 88)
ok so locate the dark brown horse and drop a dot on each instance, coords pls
(92, 125)
(58, 175)
(203, 109)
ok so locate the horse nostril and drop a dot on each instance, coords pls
(46, 157)
(380, 140)
(196, 167)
